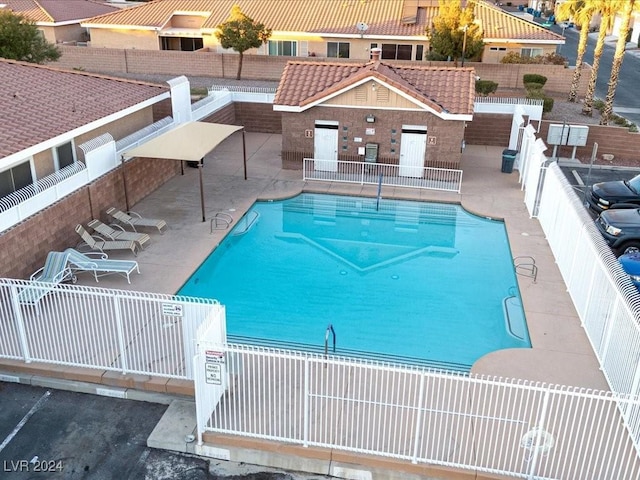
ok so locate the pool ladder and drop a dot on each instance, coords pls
(526, 265)
(329, 332)
(221, 221)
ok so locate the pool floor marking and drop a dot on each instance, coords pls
(24, 420)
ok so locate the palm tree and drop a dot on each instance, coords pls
(607, 9)
(581, 12)
(618, 56)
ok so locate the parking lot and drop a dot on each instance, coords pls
(56, 434)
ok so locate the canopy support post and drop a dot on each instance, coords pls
(200, 164)
(124, 184)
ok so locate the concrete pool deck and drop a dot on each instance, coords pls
(561, 352)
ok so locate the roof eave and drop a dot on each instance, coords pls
(71, 134)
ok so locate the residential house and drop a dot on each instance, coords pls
(47, 113)
(59, 20)
(411, 116)
(316, 28)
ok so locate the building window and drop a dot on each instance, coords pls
(498, 49)
(338, 49)
(419, 52)
(184, 44)
(393, 51)
(283, 48)
(15, 178)
(531, 52)
(64, 155)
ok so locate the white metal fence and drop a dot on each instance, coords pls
(515, 428)
(606, 301)
(91, 327)
(367, 173)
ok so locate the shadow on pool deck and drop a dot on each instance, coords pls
(561, 352)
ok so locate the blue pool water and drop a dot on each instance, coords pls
(427, 283)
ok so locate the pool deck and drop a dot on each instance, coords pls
(561, 352)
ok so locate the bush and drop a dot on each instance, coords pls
(485, 87)
(618, 120)
(548, 59)
(633, 128)
(547, 104)
(534, 78)
(533, 86)
(598, 105)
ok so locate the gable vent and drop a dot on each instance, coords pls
(361, 93)
(382, 95)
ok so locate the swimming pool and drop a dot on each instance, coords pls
(403, 281)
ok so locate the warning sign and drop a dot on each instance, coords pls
(213, 373)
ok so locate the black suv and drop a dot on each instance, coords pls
(601, 196)
(620, 227)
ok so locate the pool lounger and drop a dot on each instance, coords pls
(101, 265)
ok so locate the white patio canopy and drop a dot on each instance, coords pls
(191, 142)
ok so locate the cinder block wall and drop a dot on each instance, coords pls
(258, 117)
(53, 228)
(488, 129)
(263, 67)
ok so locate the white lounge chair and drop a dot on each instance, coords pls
(99, 244)
(98, 264)
(134, 220)
(116, 232)
(54, 271)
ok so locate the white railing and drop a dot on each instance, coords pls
(242, 89)
(606, 301)
(22, 203)
(144, 135)
(365, 173)
(516, 428)
(128, 332)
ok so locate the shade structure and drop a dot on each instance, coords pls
(190, 141)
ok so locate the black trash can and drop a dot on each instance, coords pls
(508, 159)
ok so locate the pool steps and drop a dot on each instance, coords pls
(246, 222)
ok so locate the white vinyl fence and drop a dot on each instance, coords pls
(91, 327)
(515, 428)
(365, 173)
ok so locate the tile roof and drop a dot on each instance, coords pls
(383, 17)
(56, 11)
(39, 103)
(444, 89)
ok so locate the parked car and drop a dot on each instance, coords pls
(620, 227)
(626, 193)
(631, 265)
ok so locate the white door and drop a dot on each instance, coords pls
(325, 146)
(413, 146)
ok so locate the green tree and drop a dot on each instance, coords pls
(453, 31)
(608, 9)
(241, 33)
(581, 12)
(627, 12)
(21, 40)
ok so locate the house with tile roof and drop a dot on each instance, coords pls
(303, 28)
(59, 20)
(410, 116)
(47, 113)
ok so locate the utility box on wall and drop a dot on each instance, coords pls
(371, 153)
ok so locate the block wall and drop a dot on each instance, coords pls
(263, 67)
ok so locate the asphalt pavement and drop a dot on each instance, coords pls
(57, 434)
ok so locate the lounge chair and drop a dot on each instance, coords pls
(116, 232)
(99, 244)
(98, 264)
(54, 271)
(134, 220)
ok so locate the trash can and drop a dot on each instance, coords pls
(508, 159)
